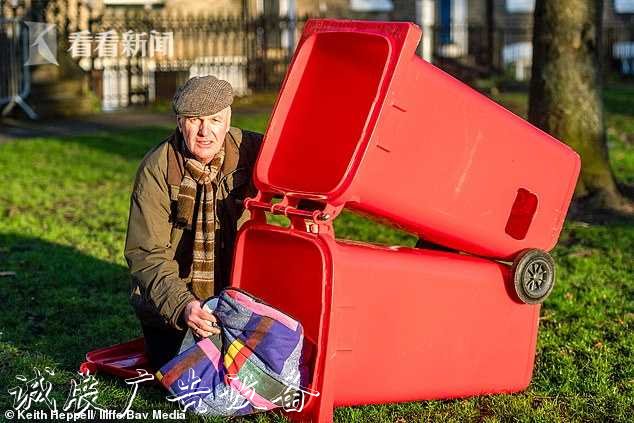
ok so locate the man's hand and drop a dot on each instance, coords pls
(199, 320)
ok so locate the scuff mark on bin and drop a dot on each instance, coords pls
(473, 148)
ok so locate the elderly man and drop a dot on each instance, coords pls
(185, 210)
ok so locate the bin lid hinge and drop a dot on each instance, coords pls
(313, 220)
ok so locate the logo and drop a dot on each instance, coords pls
(42, 44)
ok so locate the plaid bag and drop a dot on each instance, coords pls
(256, 362)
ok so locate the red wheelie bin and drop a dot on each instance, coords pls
(383, 324)
(362, 122)
(388, 324)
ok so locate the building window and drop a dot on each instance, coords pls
(518, 57)
(146, 3)
(520, 6)
(453, 28)
(445, 13)
(371, 5)
(623, 51)
(452, 25)
(624, 6)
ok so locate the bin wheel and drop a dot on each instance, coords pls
(533, 275)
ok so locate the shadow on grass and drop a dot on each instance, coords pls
(618, 98)
(61, 302)
(59, 305)
(584, 210)
(130, 144)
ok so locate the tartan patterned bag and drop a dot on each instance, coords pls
(258, 360)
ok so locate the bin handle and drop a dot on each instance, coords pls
(286, 210)
(315, 221)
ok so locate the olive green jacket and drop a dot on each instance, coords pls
(158, 252)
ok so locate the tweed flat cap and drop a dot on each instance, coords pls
(202, 96)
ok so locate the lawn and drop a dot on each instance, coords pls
(63, 214)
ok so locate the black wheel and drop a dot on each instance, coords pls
(533, 275)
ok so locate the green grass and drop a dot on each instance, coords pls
(63, 215)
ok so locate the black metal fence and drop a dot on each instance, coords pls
(477, 51)
(618, 50)
(252, 53)
(15, 78)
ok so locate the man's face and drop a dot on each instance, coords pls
(204, 135)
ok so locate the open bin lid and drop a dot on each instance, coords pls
(330, 101)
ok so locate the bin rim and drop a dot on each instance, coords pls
(321, 344)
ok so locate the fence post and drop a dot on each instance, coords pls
(15, 75)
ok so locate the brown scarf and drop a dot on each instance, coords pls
(193, 201)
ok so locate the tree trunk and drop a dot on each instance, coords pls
(566, 91)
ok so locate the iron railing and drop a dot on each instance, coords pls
(252, 53)
(15, 81)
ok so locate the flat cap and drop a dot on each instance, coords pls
(202, 96)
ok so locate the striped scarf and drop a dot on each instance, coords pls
(200, 203)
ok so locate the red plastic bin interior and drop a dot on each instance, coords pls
(363, 122)
(391, 324)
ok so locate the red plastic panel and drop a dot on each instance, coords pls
(522, 213)
(361, 121)
(120, 360)
(391, 324)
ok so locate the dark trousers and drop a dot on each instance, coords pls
(161, 343)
